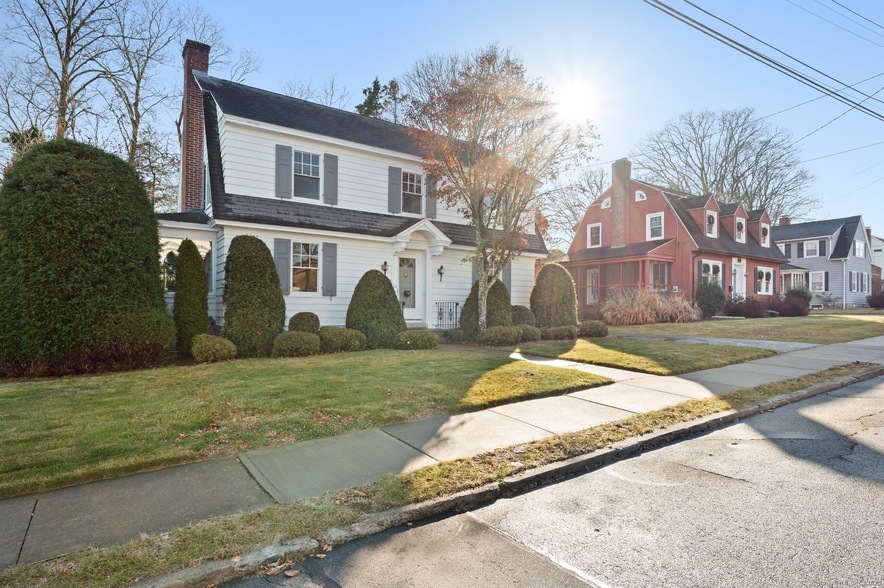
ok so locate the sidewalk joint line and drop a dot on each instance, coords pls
(27, 530)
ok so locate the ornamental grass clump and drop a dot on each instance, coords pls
(375, 311)
(675, 309)
(554, 297)
(498, 312)
(635, 306)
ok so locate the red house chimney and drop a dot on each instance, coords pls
(621, 171)
(785, 221)
(196, 58)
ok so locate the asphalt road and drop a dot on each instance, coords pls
(793, 497)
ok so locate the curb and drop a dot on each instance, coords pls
(220, 571)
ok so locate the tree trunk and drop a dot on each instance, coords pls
(482, 292)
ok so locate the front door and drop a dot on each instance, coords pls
(739, 275)
(409, 297)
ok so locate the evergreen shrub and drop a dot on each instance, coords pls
(191, 305)
(339, 339)
(529, 333)
(522, 315)
(710, 298)
(417, 339)
(558, 333)
(876, 300)
(80, 286)
(254, 309)
(592, 329)
(210, 349)
(375, 311)
(554, 299)
(498, 312)
(455, 336)
(295, 344)
(304, 321)
(499, 336)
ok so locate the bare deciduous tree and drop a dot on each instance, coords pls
(329, 93)
(490, 133)
(200, 26)
(732, 155)
(564, 206)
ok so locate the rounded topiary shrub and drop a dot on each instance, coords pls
(80, 287)
(254, 309)
(304, 321)
(499, 336)
(522, 315)
(558, 333)
(529, 333)
(191, 301)
(554, 299)
(209, 349)
(710, 299)
(417, 339)
(375, 311)
(455, 336)
(498, 312)
(295, 344)
(338, 339)
(592, 329)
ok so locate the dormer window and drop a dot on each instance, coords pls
(711, 224)
(640, 196)
(606, 203)
(594, 235)
(740, 230)
(765, 235)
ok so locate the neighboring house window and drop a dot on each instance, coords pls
(412, 192)
(640, 196)
(764, 278)
(305, 267)
(859, 249)
(606, 203)
(659, 278)
(740, 230)
(654, 226)
(711, 223)
(817, 282)
(811, 249)
(594, 235)
(712, 272)
(765, 235)
(306, 175)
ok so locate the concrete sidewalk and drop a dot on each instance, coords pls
(111, 512)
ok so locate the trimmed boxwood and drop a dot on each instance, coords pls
(522, 315)
(374, 311)
(417, 339)
(592, 329)
(554, 299)
(295, 344)
(209, 349)
(529, 333)
(304, 321)
(191, 305)
(254, 309)
(710, 299)
(498, 312)
(80, 287)
(338, 339)
(558, 333)
(499, 336)
(455, 336)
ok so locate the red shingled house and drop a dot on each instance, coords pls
(640, 235)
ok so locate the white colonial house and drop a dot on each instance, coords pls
(332, 193)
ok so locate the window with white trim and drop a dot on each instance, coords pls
(412, 192)
(765, 235)
(606, 203)
(711, 271)
(811, 249)
(305, 267)
(594, 235)
(817, 281)
(859, 248)
(640, 196)
(764, 280)
(654, 226)
(711, 224)
(740, 230)
(659, 275)
(305, 177)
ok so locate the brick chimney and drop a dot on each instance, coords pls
(196, 58)
(785, 221)
(621, 170)
(869, 235)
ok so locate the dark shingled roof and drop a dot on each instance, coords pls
(191, 216)
(755, 215)
(824, 228)
(276, 109)
(289, 213)
(693, 202)
(729, 208)
(631, 250)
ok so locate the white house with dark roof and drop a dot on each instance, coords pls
(832, 257)
(332, 193)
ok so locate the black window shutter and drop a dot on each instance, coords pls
(755, 281)
(283, 171)
(394, 189)
(330, 190)
(329, 269)
(822, 247)
(826, 281)
(807, 279)
(506, 276)
(723, 276)
(801, 250)
(788, 247)
(282, 251)
(431, 198)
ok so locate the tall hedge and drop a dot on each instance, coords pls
(191, 308)
(80, 287)
(375, 311)
(498, 312)
(254, 309)
(554, 299)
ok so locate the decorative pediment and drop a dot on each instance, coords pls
(436, 239)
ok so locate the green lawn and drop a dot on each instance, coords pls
(653, 357)
(56, 432)
(824, 327)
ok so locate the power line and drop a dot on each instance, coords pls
(841, 152)
(833, 24)
(842, 15)
(858, 14)
(821, 127)
(818, 98)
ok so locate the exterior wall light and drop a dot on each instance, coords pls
(385, 267)
(441, 272)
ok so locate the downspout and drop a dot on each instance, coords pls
(844, 283)
(693, 275)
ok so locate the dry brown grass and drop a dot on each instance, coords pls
(640, 306)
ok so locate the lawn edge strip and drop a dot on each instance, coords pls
(662, 427)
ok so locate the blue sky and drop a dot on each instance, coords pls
(631, 67)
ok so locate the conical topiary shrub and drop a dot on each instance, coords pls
(498, 312)
(554, 298)
(254, 309)
(375, 311)
(191, 308)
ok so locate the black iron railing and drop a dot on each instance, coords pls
(447, 315)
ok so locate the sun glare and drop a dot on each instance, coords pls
(576, 100)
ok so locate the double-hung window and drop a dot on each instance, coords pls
(594, 235)
(412, 192)
(654, 226)
(817, 281)
(712, 272)
(740, 230)
(305, 179)
(859, 249)
(305, 267)
(711, 223)
(811, 248)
